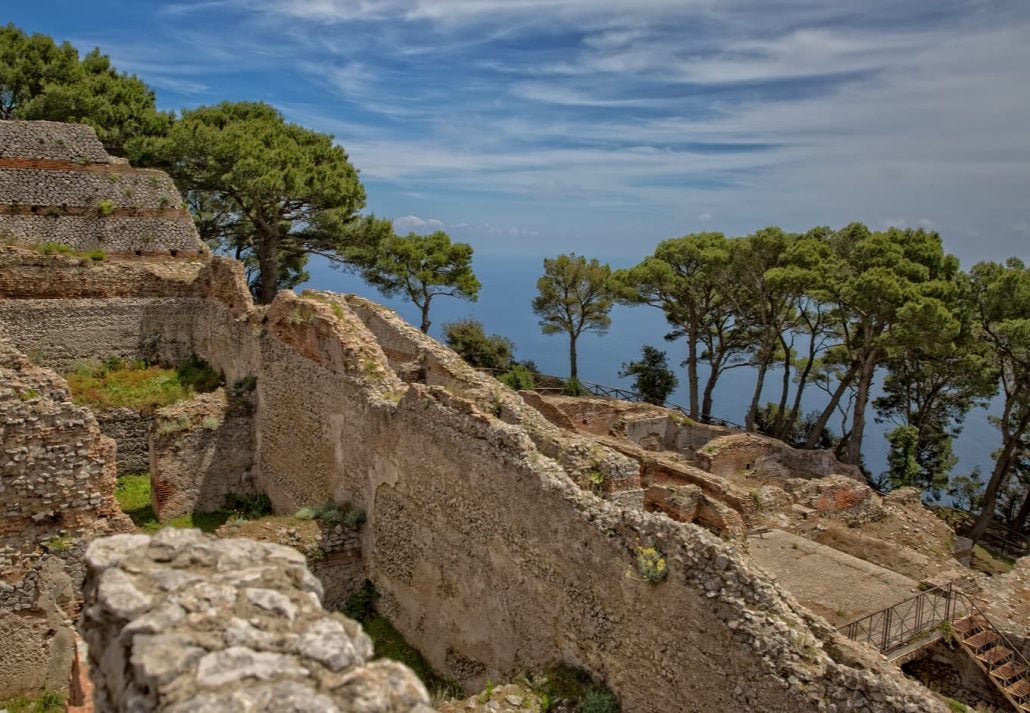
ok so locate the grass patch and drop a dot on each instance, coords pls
(115, 383)
(46, 702)
(991, 562)
(391, 644)
(133, 495)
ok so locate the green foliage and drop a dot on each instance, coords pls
(133, 495)
(685, 279)
(197, 374)
(28, 394)
(361, 605)
(421, 267)
(1000, 297)
(467, 338)
(390, 644)
(244, 385)
(331, 513)
(249, 507)
(178, 425)
(574, 685)
(267, 191)
(572, 387)
(118, 383)
(652, 377)
(42, 80)
(966, 490)
(55, 249)
(105, 208)
(211, 423)
(518, 377)
(651, 564)
(97, 255)
(574, 296)
(956, 706)
(58, 543)
(599, 701)
(46, 702)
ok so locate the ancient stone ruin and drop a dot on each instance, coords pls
(505, 533)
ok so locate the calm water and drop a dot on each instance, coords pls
(509, 285)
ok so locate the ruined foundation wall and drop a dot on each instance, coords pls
(57, 478)
(185, 623)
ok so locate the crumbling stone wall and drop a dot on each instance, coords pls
(201, 452)
(60, 186)
(492, 560)
(768, 457)
(182, 622)
(56, 492)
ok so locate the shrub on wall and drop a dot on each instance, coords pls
(651, 564)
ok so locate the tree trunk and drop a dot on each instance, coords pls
(425, 316)
(706, 402)
(1024, 513)
(781, 407)
(692, 371)
(756, 397)
(824, 417)
(795, 409)
(998, 476)
(573, 371)
(865, 380)
(268, 261)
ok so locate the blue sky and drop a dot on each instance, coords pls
(534, 127)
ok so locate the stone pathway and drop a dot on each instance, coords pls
(830, 583)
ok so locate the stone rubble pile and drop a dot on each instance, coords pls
(187, 623)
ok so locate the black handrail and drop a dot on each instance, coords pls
(897, 625)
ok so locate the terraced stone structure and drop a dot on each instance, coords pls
(492, 549)
(58, 185)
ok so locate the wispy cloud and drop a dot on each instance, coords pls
(603, 118)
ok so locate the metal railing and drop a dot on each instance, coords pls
(615, 392)
(899, 625)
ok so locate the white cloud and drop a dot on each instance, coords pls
(415, 224)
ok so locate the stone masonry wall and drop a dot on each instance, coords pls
(201, 452)
(60, 186)
(185, 623)
(130, 429)
(57, 479)
(51, 140)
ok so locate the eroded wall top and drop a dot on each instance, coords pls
(59, 185)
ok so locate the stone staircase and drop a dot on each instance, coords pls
(906, 627)
(997, 657)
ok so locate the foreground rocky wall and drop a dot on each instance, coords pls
(186, 623)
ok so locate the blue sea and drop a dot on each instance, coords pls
(504, 307)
